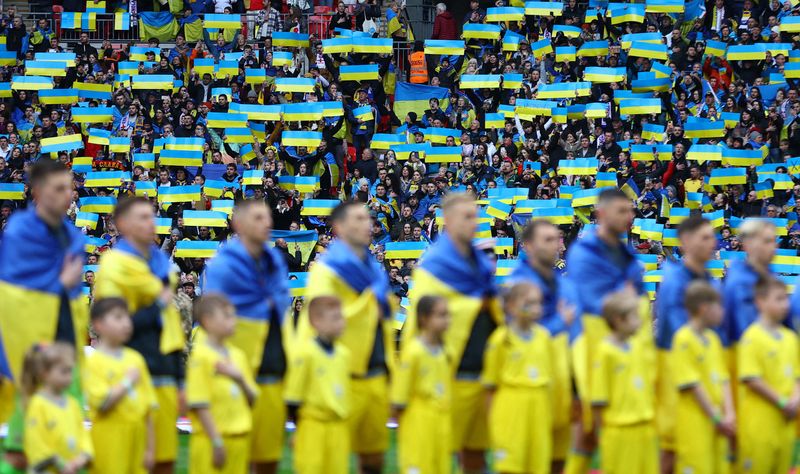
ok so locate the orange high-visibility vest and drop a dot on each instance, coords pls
(419, 70)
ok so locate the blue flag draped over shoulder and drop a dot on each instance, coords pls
(358, 274)
(258, 290)
(445, 262)
(414, 98)
(159, 25)
(552, 292)
(31, 295)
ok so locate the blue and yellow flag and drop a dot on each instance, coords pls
(415, 97)
(405, 250)
(481, 31)
(289, 39)
(295, 84)
(172, 194)
(205, 218)
(62, 143)
(306, 139)
(159, 25)
(298, 112)
(196, 248)
(12, 191)
(97, 204)
(444, 47)
(318, 207)
(365, 72)
(58, 96)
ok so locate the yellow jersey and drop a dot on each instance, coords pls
(319, 381)
(697, 359)
(423, 375)
(103, 371)
(514, 360)
(54, 430)
(205, 388)
(623, 383)
(772, 356)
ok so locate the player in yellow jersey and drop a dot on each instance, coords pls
(769, 393)
(55, 439)
(219, 391)
(518, 372)
(120, 394)
(421, 394)
(623, 394)
(705, 422)
(318, 393)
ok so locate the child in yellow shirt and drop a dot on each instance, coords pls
(518, 373)
(769, 392)
(55, 439)
(220, 390)
(421, 392)
(705, 421)
(318, 393)
(119, 393)
(623, 394)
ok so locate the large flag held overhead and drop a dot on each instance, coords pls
(159, 25)
(414, 98)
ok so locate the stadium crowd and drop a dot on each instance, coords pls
(673, 123)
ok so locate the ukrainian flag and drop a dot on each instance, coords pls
(337, 45)
(145, 160)
(86, 219)
(533, 108)
(306, 139)
(223, 205)
(184, 143)
(660, 70)
(595, 48)
(366, 72)
(227, 67)
(45, 68)
(494, 121)
(259, 130)
(215, 187)
(526, 206)
(61, 143)
(205, 218)
(289, 39)
(703, 153)
(226, 120)
(252, 76)
(31, 83)
(279, 58)
(159, 25)
(119, 144)
(8, 58)
(651, 85)
(481, 31)
(332, 109)
(606, 180)
(443, 154)
(91, 91)
(734, 157)
(498, 14)
(58, 96)
(216, 20)
(653, 131)
(725, 176)
(415, 97)
(298, 112)
(363, 113)
(541, 48)
(252, 177)
(106, 179)
(512, 81)
(93, 243)
(92, 114)
(586, 197)
(578, 167)
(730, 118)
(163, 225)
(622, 13)
(790, 24)
(439, 135)
(640, 107)
(98, 204)
(122, 21)
(480, 81)
(717, 218)
(5, 90)
(153, 82)
(256, 112)
(444, 47)
(67, 58)
(247, 153)
(318, 207)
(565, 53)
(567, 30)
(498, 209)
(648, 50)
(693, 200)
(295, 84)
(139, 53)
(403, 152)
(180, 158)
(238, 135)
(145, 188)
(704, 129)
(763, 190)
(172, 194)
(604, 75)
(544, 8)
(405, 250)
(716, 48)
(382, 141)
(195, 248)
(564, 90)
(511, 41)
(664, 6)
(782, 181)
(627, 40)
(596, 110)
(82, 164)
(622, 94)
(554, 215)
(755, 52)
(12, 191)
(306, 184)
(369, 45)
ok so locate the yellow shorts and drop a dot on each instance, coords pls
(321, 447)
(470, 416)
(165, 419)
(699, 449)
(629, 449)
(423, 439)
(269, 423)
(562, 441)
(237, 459)
(667, 403)
(521, 427)
(766, 441)
(368, 432)
(118, 446)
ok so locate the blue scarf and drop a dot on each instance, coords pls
(359, 274)
(443, 261)
(254, 288)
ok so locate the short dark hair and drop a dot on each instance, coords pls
(103, 306)
(339, 213)
(425, 307)
(124, 206)
(692, 224)
(699, 293)
(208, 304)
(765, 284)
(611, 194)
(529, 232)
(43, 169)
(319, 304)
